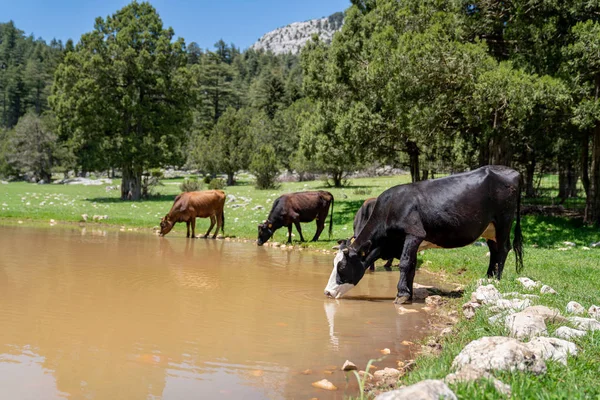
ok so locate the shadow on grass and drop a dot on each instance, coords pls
(546, 231)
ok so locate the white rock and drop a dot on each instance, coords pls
(486, 294)
(514, 305)
(258, 207)
(565, 332)
(552, 349)
(570, 244)
(3, 182)
(469, 374)
(349, 366)
(595, 244)
(493, 320)
(521, 295)
(469, 309)
(585, 248)
(523, 324)
(549, 314)
(528, 283)
(547, 290)
(587, 324)
(501, 353)
(574, 307)
(387, 374)
(425, 390)
(594, 312)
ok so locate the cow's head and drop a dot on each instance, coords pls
(165, 225)
(348, 269)
(265, 231)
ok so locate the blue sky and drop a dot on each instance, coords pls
(240, 22)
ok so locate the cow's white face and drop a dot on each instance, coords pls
(333, 288)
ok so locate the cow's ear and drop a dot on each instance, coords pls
(364, 249)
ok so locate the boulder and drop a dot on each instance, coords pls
(547, 290)
(565, 332)
(387, 374)
(574, 307)
(523, 324)
(324, 384)
(492, 353)
(470, 374)
(485, 295)
(594, 312)
(552, 349)
(528, 283)
(514, 305)
(586, 324)
(425, 390)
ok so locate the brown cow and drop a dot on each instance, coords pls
(191, 205)
(294, 208)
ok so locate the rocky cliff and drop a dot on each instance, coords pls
(291, 38)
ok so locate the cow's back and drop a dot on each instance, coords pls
(205, 203)
(363, 214)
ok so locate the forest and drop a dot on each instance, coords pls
(431, 86)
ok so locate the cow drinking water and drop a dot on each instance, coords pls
(448, 212)
(191, 205)
(294, 208)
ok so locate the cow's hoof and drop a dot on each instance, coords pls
(402, 299)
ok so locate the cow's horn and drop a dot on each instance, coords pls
(345, 251)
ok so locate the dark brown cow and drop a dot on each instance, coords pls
(191, 205)
(294, 208)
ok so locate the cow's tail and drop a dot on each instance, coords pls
(518, 239)
(331, 217)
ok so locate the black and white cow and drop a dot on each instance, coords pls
(448, 212)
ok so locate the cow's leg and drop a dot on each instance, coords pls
(194, 228)
(320, 226)
(408, 264)
(289, 233)
(493, 258)
(299, 229)
(187, 223)
(503, 244)
(219, 220)
(388, 265)
(212, 223)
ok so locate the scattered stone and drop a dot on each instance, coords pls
(514, 305)
(499, 353)
(585, 248)
(435, 301)
(570, 244)
(564, 332)
(84, 217)
(403, 310)
(306, 372)
(528, 283)
(425, 390)
(3, 182)
(446, 331)
(385, 351)
(324, 384)
(523, 324)
(486, 294)
(480, 244)
(497, 318)
(574, 307)
(469, 309)
(231, 198)
(387, 374)
(587, 324)
(549, 314)
(469, 374)
(406, 343)
(595, 244)
(349, 366)
(552, 349)
(258, 207)
(594, 312)
(547, 290)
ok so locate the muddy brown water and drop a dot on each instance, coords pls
(90, 314)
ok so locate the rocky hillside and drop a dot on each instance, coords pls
(291, 38)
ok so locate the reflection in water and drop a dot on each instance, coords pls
(125, 315)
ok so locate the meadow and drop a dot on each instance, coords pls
(573, 271)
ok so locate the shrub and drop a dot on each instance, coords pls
(207, 179)
(264, 165)
(216, 184)
(190, 185)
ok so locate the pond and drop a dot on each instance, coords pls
(94, 314)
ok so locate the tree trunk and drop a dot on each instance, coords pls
(230, 180)
(585, 163)
(592, 208)
(413, 151)
(529, 178)
(337, 179)
(131, 183)
(425, 175)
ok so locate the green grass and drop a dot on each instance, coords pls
(574, 273)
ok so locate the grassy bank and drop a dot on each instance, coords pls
(573, 272)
